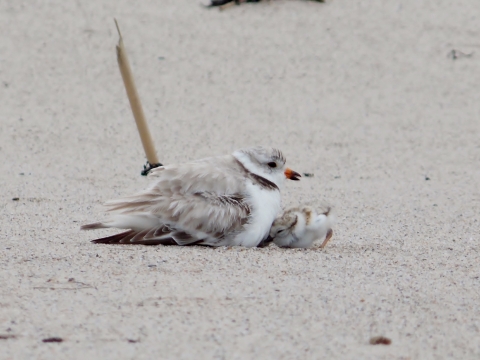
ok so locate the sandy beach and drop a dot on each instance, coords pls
(380, 101)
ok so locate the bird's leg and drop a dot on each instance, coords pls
(327, 238)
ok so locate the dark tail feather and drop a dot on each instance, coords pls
(132, 237)
(122, 238)
(126, 237)
(168, 241)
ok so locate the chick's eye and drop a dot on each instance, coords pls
(272, 164)
(279, 231)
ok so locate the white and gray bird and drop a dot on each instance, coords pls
(300, 227)
(227, 200)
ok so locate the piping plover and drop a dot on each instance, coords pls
(219, 201)
(299, 227)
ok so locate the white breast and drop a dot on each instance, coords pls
(265, 204)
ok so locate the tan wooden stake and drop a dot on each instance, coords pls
(135, 103)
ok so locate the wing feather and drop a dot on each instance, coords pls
(200, 199)
(162, 235)
(202, 202)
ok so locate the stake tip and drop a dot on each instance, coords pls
(118, 27)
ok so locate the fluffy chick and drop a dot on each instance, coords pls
(299, 227)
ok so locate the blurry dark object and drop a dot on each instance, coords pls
(380, 340)
(52, 339)
(226, 3)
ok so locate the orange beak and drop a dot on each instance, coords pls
(292, 175)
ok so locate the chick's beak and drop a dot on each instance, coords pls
(292, 175)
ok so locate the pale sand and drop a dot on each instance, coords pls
(361, 93)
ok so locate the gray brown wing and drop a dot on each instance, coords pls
(203, 199)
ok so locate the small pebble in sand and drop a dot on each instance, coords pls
(223, 4)
(52, 339)
(7, 336)
(380, 340)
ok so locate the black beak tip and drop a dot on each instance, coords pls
(295, 176)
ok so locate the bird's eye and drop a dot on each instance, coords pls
(279, 231)
(272, 164)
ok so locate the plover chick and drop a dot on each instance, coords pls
(299, 227)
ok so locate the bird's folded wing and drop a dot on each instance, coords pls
(202, 199)
(201, 214)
